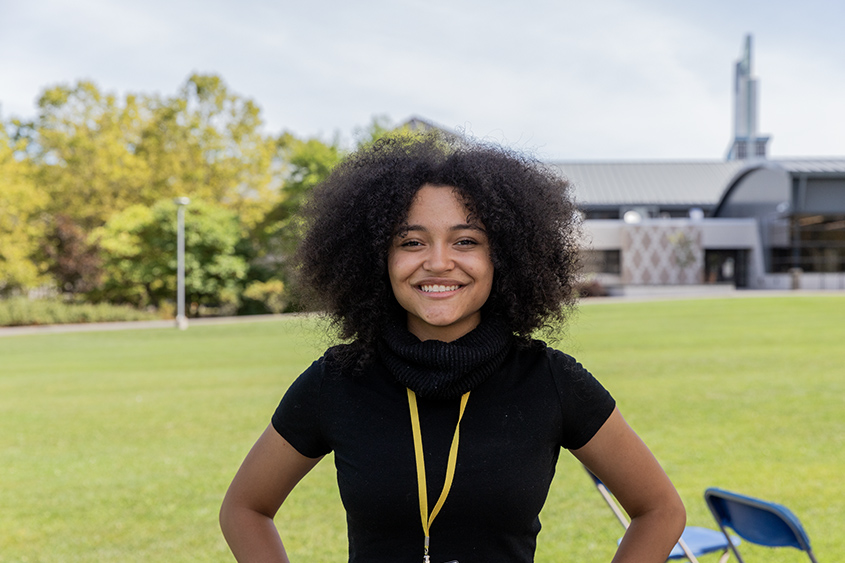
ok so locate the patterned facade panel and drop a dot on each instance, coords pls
(662, 254)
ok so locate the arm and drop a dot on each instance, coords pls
(618, 457)
(268, 474)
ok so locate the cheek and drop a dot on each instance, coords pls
(484, 276)
(484, 270)
(392, 266)
(398, 273)
(488, 282)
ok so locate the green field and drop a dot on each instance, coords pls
(118, 446)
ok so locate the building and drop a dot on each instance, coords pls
(745, 222)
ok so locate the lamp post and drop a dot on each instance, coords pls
(181, 319)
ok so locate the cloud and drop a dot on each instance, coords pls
(612, 79)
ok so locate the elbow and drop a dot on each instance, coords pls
(229, 517)
(677, 516)
(224, 518)
(235, 526)
(668, 515)
(236, 517)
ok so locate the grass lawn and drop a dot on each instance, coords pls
(118, 446)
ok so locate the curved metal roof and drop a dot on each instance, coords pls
(674, 183)
(819, 166)
(649, 183)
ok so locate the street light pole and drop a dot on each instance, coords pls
(181, 318)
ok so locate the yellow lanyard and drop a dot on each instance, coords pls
(450, 466)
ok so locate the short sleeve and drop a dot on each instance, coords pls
(297, 418)
(585, 403)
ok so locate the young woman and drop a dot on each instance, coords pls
(437, 261)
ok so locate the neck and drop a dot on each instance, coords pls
(450, 333)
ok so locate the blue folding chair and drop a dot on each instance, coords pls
(694, 541)
(757, 521)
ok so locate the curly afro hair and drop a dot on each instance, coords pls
(527, 211)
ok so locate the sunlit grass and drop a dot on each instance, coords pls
(120, 445)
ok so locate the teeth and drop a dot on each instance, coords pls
(438, 288)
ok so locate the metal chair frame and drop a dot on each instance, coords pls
(685, 549)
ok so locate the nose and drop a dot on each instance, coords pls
(439, 258)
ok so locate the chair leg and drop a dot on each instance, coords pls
(731, 546)
(687, 551)
(725, 556)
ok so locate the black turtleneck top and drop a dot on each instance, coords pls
(518, 417)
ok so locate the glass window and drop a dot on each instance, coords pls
(601, 261)
(820, 245)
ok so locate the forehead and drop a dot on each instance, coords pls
(438, 204)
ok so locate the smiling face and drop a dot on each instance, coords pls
(439, 266)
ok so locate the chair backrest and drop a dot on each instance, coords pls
(757, 521)
(681, 549)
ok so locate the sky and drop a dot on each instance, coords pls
(560, 79)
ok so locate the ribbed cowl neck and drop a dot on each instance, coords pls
(444, 370)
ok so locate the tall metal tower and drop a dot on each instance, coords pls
(747, 141)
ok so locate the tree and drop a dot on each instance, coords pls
(71, 259)
(271, 243)
(83, 146)
(307, 163)
(139, 250)
(21, 227)
(381, 126)
(271, 295)
(96, 155)
(207, 143)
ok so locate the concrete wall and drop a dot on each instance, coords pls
(667, 252)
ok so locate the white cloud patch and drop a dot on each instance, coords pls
(611, 79)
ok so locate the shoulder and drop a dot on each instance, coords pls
(346, 360)
(585, 404)
(336, 375)
(309, 402)
(560, 365)
(332, 365)
(552, 370)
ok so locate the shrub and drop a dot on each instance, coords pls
(20, 311)
(591, 288)
(271, 294)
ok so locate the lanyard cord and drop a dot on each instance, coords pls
(450, 465)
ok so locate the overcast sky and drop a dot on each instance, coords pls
(564, 79)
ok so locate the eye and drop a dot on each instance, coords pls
(467, 242)
(410, 243)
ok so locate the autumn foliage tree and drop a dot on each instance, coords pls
(21, 226)
(97, 155)
(207, 143)
(72, 258)
(92, 161)
(82, 146)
